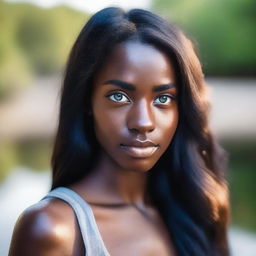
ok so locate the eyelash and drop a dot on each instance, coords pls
(170, 97)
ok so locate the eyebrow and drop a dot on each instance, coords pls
(163, 87)
(122, 84)
(131, 87)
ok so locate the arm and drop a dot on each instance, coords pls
(38, 232)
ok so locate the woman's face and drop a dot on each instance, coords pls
(134, 106)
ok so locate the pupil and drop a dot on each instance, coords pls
(118, 96)
(163, 99)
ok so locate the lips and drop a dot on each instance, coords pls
(140, 149)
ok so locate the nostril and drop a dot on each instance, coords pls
(151, 130)
(133, 130)
(141, 129)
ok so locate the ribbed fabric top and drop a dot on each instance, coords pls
(92, 239)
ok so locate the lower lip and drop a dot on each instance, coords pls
(139, 152)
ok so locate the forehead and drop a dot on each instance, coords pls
(137, 62)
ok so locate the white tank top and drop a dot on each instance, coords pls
(93, 243)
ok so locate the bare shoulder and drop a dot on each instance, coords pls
(46, 228)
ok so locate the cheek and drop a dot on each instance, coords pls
(107, 122)
(173, 122)
(167, 125)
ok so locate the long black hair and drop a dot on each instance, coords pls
(187, 184)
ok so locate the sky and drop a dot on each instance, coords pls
(90, 5)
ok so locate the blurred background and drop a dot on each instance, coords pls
(35, 40)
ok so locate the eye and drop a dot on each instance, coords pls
(163, 99)
(118, 97)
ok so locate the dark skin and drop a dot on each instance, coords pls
(134, 102)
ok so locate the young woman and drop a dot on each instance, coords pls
(136, 170)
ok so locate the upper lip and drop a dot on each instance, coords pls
(139, 143)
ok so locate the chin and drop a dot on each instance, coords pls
(139, 166)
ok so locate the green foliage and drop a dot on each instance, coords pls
(34, 154)
(36, 38)
(13, 65)
(224, 32)
(242, 178)
(8, 159)
(34, 41)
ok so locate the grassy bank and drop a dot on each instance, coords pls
(242, 176)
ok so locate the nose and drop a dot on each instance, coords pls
(141, 118)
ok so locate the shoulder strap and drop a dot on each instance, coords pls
(89, 230)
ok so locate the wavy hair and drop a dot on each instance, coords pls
(187, 184)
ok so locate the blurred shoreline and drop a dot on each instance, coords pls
(35, 109)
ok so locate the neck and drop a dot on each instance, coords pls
(109, 184)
